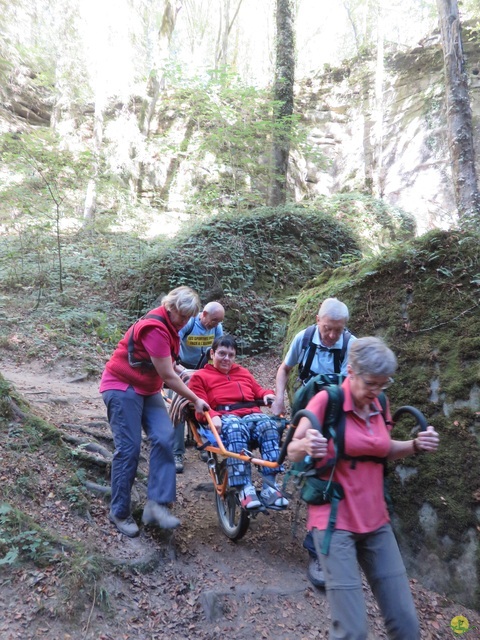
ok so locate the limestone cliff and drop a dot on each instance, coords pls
(390, 142)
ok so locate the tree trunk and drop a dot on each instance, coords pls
(90, 203)
(283, 96)
(379, 171)
(459, 115)
(160, 57)
(224, 29)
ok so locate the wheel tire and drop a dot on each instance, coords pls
(234, 521)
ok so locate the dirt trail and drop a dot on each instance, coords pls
(199, 583)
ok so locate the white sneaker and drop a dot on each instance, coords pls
(249, 498)
(272, 496)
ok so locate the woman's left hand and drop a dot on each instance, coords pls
(428, 440)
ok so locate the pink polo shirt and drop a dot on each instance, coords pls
(363, 508)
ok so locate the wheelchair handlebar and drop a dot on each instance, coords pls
(416, 413)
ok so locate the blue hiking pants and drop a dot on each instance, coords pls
(128, 412)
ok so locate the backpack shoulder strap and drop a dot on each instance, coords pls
(382, 398)
(334, 421)
(132, 361)
(307, 343)
(189, 327)
(339, 354)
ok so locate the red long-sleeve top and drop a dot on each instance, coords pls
(217, 388)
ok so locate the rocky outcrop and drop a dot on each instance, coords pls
(393, 142)
(26, 102)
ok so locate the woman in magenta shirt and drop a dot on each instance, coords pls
(362, 534)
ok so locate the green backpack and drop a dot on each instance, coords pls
(312, 488)
(317, 383)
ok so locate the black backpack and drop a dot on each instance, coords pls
(309, 347)
(315, 490)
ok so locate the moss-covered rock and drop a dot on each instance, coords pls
(252, 263)
(423, 299)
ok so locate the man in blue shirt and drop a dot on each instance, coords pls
(196, 339)
(318, 349)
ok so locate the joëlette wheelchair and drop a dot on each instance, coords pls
(234, 520)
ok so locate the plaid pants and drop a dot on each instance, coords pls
(237, 433)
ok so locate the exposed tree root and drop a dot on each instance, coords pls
(17, 412)
(87, 445)
(97, 488)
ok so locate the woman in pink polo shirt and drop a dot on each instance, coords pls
(362, 534)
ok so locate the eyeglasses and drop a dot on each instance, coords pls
(375, 385)
(224, 355)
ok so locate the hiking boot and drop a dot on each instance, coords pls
(178, 463)
(249, 498)
(315, 573)
(154, 513)
(272, 496)
(127, 526)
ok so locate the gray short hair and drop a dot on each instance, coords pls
(334, 309)
(184, 300)
(371, 355)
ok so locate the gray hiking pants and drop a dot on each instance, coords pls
(378, 555)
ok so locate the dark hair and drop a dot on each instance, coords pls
(225, 341)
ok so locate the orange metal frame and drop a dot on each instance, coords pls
(219, 449)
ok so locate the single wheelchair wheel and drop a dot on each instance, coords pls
(233, 520)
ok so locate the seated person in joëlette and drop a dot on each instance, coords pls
(234, 395)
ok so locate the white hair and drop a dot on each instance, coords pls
(334, 309)
(184, 300)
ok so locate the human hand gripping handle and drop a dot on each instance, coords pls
(269, 399)
(278, 406)
(427, 440)
(201, 406)
(217, 421)
(315, 444)
(311, 443)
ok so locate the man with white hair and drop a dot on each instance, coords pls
(196, 339)
(321, 348)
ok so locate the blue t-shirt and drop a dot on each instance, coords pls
(322, 360)
(195, 341)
